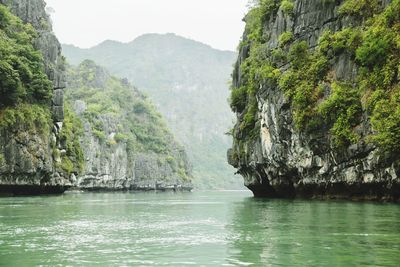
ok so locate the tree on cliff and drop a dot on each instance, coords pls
(22, 75)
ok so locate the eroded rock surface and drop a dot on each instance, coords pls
(26, 161)
(282, 161)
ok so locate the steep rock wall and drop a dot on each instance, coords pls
(279, 159)
(27, 165)
(116, 167)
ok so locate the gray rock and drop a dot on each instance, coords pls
(28, 165)
(110, 165)
(284, 162)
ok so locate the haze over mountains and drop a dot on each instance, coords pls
(188, 81)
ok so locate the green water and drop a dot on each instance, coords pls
(195, 229)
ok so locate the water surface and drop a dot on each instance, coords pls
(195, 229)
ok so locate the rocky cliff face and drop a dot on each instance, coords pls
(34, 13)
(126, 145)
(26, 158)
(295, 133)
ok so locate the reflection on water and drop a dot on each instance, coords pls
(315, 233)
(198, 229)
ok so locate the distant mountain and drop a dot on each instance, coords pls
(188, 81)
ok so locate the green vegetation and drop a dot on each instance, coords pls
(379, 58)
(318, 97)
(285, 38)
(117, 114)
(22, 76)
(2, 159)
(302, 84)
(343, 110)
(287, 6)
(256, 69)
(26, 91)
(238, 99)
(28, 117)
(73, 160)
(141, 127)
(360, 8)
(386, 120)
(256, 18)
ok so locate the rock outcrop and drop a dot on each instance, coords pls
(280, 159)
(126, 145)
(26, 156)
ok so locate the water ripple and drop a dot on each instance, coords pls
(199, 229)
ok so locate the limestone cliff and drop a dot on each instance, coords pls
(126, 144)
(30, 127)
(315, 90)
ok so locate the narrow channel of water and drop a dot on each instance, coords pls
(195, 229)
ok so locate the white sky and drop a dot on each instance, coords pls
(86, 23)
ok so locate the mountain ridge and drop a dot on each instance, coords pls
(145, 35)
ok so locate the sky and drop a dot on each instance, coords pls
(86, 23)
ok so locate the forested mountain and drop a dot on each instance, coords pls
(188, 81)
